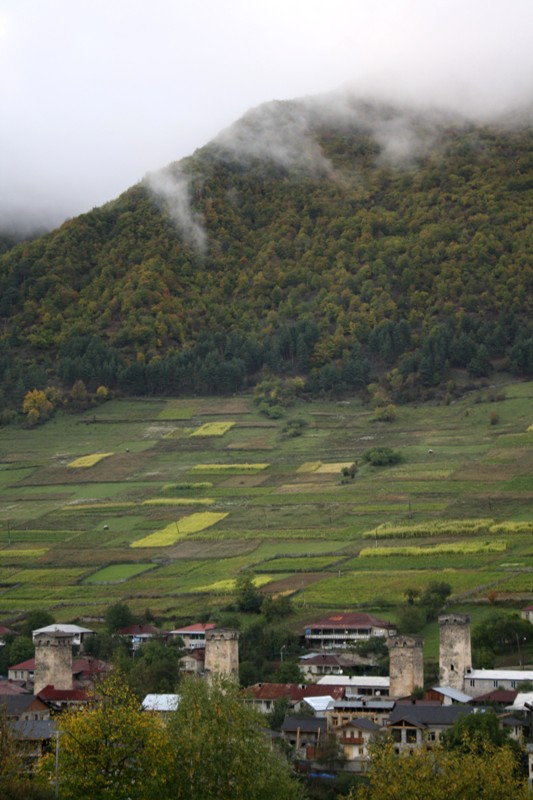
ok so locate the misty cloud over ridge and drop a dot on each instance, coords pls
(286, 134)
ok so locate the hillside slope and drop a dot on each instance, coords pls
(319, 237)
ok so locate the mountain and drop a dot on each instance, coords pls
(331, 238)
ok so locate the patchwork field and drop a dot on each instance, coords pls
(160, 503)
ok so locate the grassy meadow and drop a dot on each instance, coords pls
(161, 502)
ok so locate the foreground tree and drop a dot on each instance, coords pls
(220, 751)
(474, 774)
(111, 749)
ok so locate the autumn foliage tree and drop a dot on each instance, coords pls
(488, 773)
(110, 749)
(37, 407)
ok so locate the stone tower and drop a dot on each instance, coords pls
(53, 660)
(455, 652)
(406, 664)
(222, 652)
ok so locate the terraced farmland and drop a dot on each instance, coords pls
(160, 503)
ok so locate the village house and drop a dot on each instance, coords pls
(77, 633)
(346, 629)
(193, 662)
(262, 696)
(84, 672)
(63, 699)
(482, 681)
(356, 686)
(137, 634)
(355, 738)
(193, 636)
(304, 735)
(24, 671)
(25, 707)
(417, 724)
(316, 665)
(33, 738)
(342, 711)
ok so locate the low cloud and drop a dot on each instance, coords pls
(172, 188)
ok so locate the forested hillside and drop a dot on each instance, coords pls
(338, 245)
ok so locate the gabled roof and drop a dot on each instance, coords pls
(319, 704)
(305, 724)
(11, 687)
(502, 696)
(140, 630)
(16, 704)
(5, 631)
(51, 694)
(57, 627)
(198, 654)
(89, 666)
(453, 694)
(33, 729)
(347, 620)
(423, 716)
(198, 627)
(522, 702)
(295, 692)
(363, 723)
(29, 664)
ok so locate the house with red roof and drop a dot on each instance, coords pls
(193, 635)
(344, 629)
(24, 671)
(61, 699)
(263, 695)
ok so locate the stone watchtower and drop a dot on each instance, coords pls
(455, 651)
(222, 652)
(53, 660)
(406, 664)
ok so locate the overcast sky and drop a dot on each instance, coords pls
(96, 93)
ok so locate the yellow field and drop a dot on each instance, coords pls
(194, 523)
(235, 468)
(333, 469)
(213, 429)
(24, 553)
(88, 461)
(309, 466)
(228, 585)
(178, 501)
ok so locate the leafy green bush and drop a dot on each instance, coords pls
(382, 456)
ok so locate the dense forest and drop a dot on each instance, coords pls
(341, 247)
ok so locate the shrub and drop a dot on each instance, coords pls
(382, 456)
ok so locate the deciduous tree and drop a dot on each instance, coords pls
(220, 751)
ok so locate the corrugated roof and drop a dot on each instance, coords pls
(198, 627)
(423, 715)
(305, 724)
(453, 694)
(351, 620)
(161, 702)
(292, 691)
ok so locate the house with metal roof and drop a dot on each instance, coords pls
(417, 724)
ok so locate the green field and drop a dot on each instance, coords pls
(133, 526)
